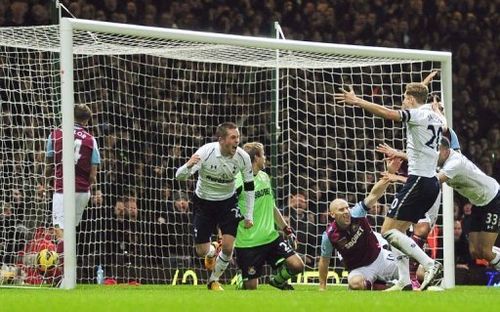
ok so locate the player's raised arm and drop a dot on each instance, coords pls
(349, 97)
(189, 168)
(379, 188)
(429, 77)
(390, 152)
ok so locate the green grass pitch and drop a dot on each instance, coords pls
(92, 298)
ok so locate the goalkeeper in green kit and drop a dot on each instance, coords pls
(262, 243)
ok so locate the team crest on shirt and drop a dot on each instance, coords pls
(354, 227)
(251, 271)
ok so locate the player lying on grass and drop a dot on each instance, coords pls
(262, 243)
(352, 236)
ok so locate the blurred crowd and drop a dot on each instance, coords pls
(143, 143)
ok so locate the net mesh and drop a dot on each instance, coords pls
(154, 102)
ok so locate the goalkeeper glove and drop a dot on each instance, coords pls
(290, 236)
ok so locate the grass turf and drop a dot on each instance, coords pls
(91, 298)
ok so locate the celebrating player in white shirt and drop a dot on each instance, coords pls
(483, 192)
(424, 128)
(214, 201)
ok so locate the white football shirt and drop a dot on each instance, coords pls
(468, 180)
(424, 129)
(216, 178)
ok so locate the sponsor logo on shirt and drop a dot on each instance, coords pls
(219, 180)
(262, 192)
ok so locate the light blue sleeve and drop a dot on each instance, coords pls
(326, 246)
(454, 144)
(96, 157)
(50, 147)
(359, 210)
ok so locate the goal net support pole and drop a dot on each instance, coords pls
(67, 104)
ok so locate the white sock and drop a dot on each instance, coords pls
(409, 247)
(496, 261)
(220, 266)
(211, 251)
(403, 264)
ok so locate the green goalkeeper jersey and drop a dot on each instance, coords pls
(263, 231)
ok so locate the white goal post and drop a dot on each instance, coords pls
(278, 91)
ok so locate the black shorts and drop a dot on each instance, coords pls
(415, 198)
(251, 260)
(486, 218)
(210, 214)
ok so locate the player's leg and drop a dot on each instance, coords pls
(204, 223)
(58, 215)
(421, 231)
(401, 263)
(224, 257)
(358, 282)
(250, 284)
(58, 223)
(81, 202)
(250, 261)
(481, 247)
(362, 278)
(227, 217)
(410, 204)
(424, 226)
(485, 227)
(287, 263)
(387, 269)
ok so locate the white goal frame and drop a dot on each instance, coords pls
(67, 27)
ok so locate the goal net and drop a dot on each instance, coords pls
(156, 96)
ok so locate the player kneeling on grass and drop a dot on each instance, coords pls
(351, 235)
(262, 243)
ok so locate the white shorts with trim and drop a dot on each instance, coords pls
(81, 201)
(382, 269)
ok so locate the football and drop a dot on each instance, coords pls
(46, 260)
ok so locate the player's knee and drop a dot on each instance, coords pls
(474, 252)
(357, 282)
(295, 264)
(391, 236)
(422, 230)
(201, 250)
(251, 284)
(482, 252)
(227, 251)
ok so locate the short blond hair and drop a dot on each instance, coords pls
(418, 90)
(254, 149)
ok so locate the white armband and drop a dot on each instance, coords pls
(250, 200)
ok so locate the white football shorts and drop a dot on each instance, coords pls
(382, 269)
(81, 201)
